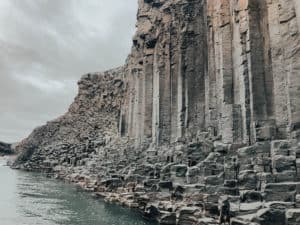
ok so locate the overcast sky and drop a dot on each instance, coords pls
(46, 45)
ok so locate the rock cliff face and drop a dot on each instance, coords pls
(202, 121)
(94, 115)
(229, 68)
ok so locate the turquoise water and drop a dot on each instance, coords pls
(33, 199)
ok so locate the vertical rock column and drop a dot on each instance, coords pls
(222, 66)
(241, 71)
(179, 70)
(175, 69)
(194, 64)
(261, 81)
(290, 33)
(148, 83)
(229, 67)
(210, 78)
(239, 45)
(164, 81)
(285, 56)
(155, 114)
(140, 111)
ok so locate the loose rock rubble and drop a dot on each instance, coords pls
(200, 125)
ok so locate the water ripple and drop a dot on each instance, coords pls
(33, 199)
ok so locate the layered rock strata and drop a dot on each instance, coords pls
(205, 111)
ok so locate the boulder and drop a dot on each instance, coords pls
(187, 216)
(293, 216)
(168, 219)
(270, 216)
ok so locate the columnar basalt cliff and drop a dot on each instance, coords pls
(229, 68)
(94, 115)
(202, 122)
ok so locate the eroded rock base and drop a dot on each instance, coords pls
(186, 183)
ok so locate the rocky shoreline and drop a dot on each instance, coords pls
(261, 190)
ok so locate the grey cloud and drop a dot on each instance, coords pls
(46, 45)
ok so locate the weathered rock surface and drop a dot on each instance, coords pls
(92, 119)
(201, 123)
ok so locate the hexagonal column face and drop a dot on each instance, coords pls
(284, 53)
(219, 66)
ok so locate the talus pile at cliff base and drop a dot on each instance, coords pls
(202, 121)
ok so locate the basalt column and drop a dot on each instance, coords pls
(193, 68)
(226, 67)
(285, 58)
(261, 80)
(140, 79)
(174, 67)
(220, 70)
(163, 66)
(240, 81)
